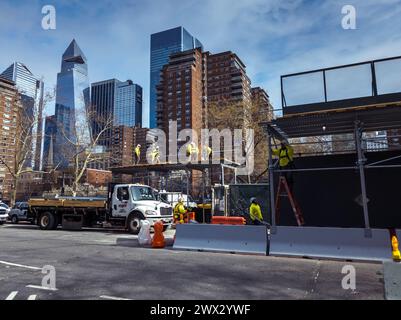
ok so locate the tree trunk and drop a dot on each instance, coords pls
(13, 195)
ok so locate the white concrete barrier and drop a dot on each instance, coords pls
(337, 243)
(222, 238)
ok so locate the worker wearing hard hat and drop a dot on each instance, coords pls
(179, 211)
(286, 161)
(192, 152)
(207, 153)
(255, 212)
(155, 155)
(137, 154)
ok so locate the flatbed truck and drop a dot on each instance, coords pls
(126, 205)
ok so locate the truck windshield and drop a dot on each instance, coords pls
(143, 193)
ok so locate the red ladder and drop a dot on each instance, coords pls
(283, 186)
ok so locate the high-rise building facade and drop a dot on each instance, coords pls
(182, 92)
(31, 92)
(48, 142)
(9, 104)
(128, 105)
(103, 104)
(227, 79)
(120, 101)
(162, 45)
(261, 102)
(72, 96)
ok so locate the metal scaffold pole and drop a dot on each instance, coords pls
(271, 184)
(361, 165)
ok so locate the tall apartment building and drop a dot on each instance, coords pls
(227, 80)
(182, 92)
(9, 113)
(162, 45)
(261, 102)
(31, 92)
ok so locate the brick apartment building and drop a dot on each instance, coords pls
(9, 111)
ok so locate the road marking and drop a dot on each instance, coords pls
(41, 288)
(32, 297)
(12, 295)
(112, 298)
(20, 265)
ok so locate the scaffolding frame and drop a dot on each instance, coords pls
(340, 121)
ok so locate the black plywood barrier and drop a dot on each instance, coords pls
(328, 198)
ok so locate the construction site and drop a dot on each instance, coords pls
(336, 205)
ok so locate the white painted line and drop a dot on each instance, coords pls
(112, 298)
(20, 265)
(32, 297)
(41, 288)
(12, 295)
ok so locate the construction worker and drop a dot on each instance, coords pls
(179, 211)
(255, 212)
(286, 161)
(155, 155)
(192, 152)
(137, 154)
(207, 153)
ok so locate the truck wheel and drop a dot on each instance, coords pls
(14, 219)
(134, 224)
(47, 221)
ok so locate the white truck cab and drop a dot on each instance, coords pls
(136, 202)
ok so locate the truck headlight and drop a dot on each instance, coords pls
(151, 213)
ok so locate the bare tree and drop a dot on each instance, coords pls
(81, 149)
(25, 122)
(240, 115)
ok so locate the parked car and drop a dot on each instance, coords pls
(4, 210)
(19, 212)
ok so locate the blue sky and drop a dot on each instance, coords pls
(272, 37)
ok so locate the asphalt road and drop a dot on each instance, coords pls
(103, 264)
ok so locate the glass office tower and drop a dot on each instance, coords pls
(72, 98)
(31, 90)
(121, 100)
(128, 105)
(162, 45)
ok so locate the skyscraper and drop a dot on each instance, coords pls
(72, 96)
(128, 105)
(31, 91)
(120, 100)
(48, 142)
(162, 45)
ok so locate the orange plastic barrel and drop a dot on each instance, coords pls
(158, 241)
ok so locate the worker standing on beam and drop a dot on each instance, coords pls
(155, 155)
(137, 154)
(207, 153)
(286, 161)
(192, 152)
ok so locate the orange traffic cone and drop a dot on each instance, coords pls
(158, 240)
(396, 251)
